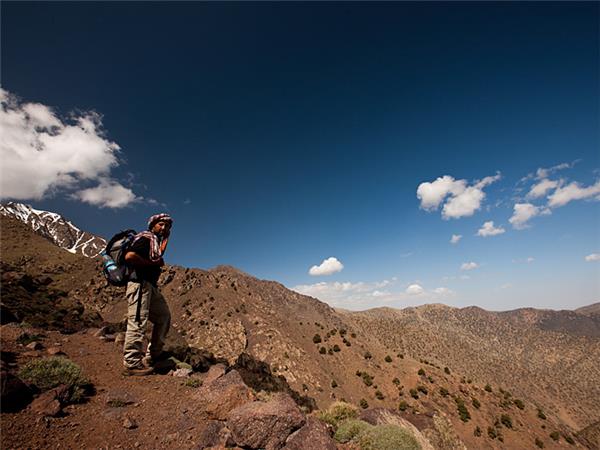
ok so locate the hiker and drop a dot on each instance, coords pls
(144, 300)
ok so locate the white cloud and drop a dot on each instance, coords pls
(42, 155)
(443, 291)
(506, 286)
(540, 189)
(377, 293)
(455, 238)
(543, 173)
(469, 266)
(530, 259)
(593, 257)
(488, 229)
(523, 212)
(414, 289)
(328, 266)
(573, 191)
(108, 194)
(463, 200)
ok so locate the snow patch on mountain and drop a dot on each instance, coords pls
(56, 228)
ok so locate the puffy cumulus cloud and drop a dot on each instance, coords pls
(108, 194)
(42, 155)
(357, 295)
(523, 212)
(414, 289)
(593, 257)
(455, 238)
(488, 229)
(461, 200)
(573, 191)
(327, 267)
(541, 188)
(469, 266)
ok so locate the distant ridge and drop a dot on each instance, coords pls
(55, 228)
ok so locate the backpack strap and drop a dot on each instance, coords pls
(138, 308)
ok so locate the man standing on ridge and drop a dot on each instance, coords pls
(144, 300)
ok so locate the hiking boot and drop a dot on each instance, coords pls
(151, 361)
(138, 371)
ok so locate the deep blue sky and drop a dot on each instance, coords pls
(281, 134)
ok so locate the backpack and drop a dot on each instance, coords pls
(114, 268)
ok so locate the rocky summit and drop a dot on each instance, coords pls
(254, 365)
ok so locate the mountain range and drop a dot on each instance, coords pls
(538, 370)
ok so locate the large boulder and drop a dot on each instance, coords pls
(315, 435)
(222, 395)
(214, 434)
(265, 424)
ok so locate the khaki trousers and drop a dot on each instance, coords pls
(153, 307)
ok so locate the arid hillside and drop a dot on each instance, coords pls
(490, 380)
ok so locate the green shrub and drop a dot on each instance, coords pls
(26, 338)
(350, 429)
(447, 372)
(506, 420)
(430, 379)
(519, 404)
(421, 372)
(463, 412)
(414, 394)
(569, 439)
(444, 392)
(353, 335)
(539, 443)
(492, 433)
(422, 389)
(555, 435)
(342, 331)
(476, 403)
(322, 350)
(48, 373)
(488, 388)
(358, 373)
(387, 437)
(396, 381)
(363, 403)
(193, 382)
(367, 379)
(336, 348)
(477, 431)
(338, 412)
(403, 406)
(400, 355)
(541, 414)
(388, 359)
(334, 384)
(379, 395)
(317, 338)
(368, 355)
(330, 352)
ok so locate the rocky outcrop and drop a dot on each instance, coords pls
(222, 395)
(314, 435)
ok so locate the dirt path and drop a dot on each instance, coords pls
(161, 405)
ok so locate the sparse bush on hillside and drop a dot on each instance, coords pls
(334, 384)
(463, 412)
(539, 442)
(476, 403)
(403, 405)
(358, 373)
(26, 338)
(555, 435)
(422, 389)
(477, 431)
(541, 414)
(193, 382)
(368, 355)
(379, 395)
(506, 420)
(400, 355)
(317, 338)
(337, 413)
(421, 372)
(387, 437)
(350, 429)
(322, 350)
(414, 394)
(48, 373)
(353, 335)
(342, 331)
(330, 351)
(388, 359)
(367, 379)
(519, 404)
(347, 342)
(363, 403)
(569, 439)
(430, 379)
(488, 388)
(444, 392)
(396, 381)
(447, 371)
(336, 348)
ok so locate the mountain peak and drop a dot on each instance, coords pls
(55, 228)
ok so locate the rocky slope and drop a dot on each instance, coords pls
(428, 360)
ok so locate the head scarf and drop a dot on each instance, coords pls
(158, 244)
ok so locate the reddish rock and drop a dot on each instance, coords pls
(46, 404)
(214, 434)
(315, 435)
(15, 393)
(223, 395)
(129, 423)
(55, 351)
(216, 371)
(265, 424)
